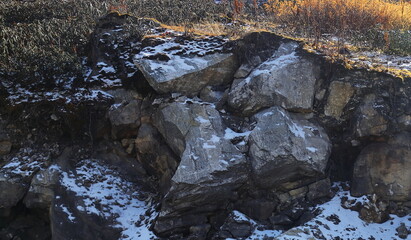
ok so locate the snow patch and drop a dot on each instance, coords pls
(312, 149)
(297, 130)
(349, 226)
(107, 195)
(230, 134)
(69, 214)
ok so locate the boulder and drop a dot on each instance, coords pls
(41, 191)
(125, 119)
(286, 150)
(188, 74)
(340, 94)
(384, 169)
(16, 175)
(12, 189)
(319, 189)
(285, 79)
(211, 168)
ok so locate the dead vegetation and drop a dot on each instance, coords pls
(44, 40)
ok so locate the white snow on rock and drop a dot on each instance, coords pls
(69, 214)
(349, 226)
(275, 62)
(22, 95)
(106, 194)
(377, 58)
(26, 164)
(230, 134)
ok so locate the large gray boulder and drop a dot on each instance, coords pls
(384, 169)
(287, 150)
(211, 167)
(188, 74)
(285, 79)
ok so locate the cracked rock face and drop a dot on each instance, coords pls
(286, 80)
(286, 149)
(211, 168)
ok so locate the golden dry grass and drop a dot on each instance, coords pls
(331, 16)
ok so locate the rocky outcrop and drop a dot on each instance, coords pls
(211, 168)
(286, 79)
(383, 169)
(287, 144)
(255, 137)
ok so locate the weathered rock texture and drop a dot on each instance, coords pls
(286, 79)
(340, 94)
(287, 150)
(383, 169)
(188, 75)
(211, 168)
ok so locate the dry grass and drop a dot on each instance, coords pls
(43, 40)
(365, 20)
(331, 16)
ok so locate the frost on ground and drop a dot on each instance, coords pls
(20, 95)
(336, 222)
(106, 194)
(376, 58)
(26, 163)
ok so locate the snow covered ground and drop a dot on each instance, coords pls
(105, 193)
(336, 222)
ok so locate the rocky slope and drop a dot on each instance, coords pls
(180, 137)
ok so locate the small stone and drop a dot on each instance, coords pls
(402, 231)
(125, 142)
(130, 149)
(54, 117)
